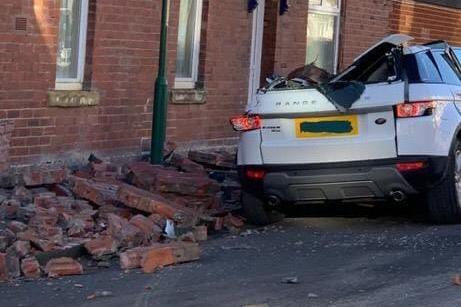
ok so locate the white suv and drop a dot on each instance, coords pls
(388, 127)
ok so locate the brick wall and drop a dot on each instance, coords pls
(226, 67)
(363, 24)
(6, 127)
(366, 22)
(121, 64)
(122, 59)
(290, 52)
(426, 22)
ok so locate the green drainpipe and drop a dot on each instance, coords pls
(160, 108)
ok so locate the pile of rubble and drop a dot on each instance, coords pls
(147, 216)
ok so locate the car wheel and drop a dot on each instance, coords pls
(255, 211)
(444, 200)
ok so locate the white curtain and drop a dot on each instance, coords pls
(186, 39)
(69, 39)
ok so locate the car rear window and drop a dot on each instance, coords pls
(421, 68)
(458, 54)
(447, 68)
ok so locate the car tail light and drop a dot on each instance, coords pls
(410, 166)
(246, 122)
(415, 109)
(255, 174)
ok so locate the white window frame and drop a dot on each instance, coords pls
(333, 11)
(189, 83)
(77, 83)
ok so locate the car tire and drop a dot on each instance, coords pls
(444, 200)
(255, 211)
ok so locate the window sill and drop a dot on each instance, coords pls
(72, 99)
(188, 96)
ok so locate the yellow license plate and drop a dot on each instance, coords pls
(329, 126)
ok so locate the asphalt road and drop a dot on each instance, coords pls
(341, 257)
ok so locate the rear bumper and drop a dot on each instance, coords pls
(376, 179)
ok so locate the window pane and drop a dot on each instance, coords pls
(69, 39)
(186, 39)
(315, 2)
(321, 36)
(446, 68)
(420, 68)
(458, 54)
(330, 3)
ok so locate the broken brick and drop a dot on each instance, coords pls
(159, 220)
(9, 209)
(16, 226)
(104, 245)
(126, 234)
(6, 239)
(45, 174)
(100, 192)
(130, 236)
(4, 276)
(20, 249)
(63, 267)
(218, 223)
(168, 181)
(233, 221)
(30, 268)
(142, 174)
(80, 226)
(150, 230)
(200, 233)
(22, 194)
(12, 265)
(168, 254)
(151, 203)
(186, 165)
(61, 190)
(220, 159)
(131, 259)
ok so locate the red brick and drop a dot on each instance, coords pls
(16, 226)
(126, 234)
(200, 233)
(4, 276)
(20, 249)
(150, 203)
(99, 192)
(186, 165)
(104, 245)
(31, 268)
(131, 259)
(161, 256)
(233, 221)
(158, 255)
(63, 267)
(150, 230)
(9, 267)
(6, 239)
(46, 174)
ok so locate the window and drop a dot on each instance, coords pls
(71, 44)
(447, 68)
(323, 34)
(372, 67)
(421, 68)
(187, 61)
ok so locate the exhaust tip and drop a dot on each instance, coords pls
(398, 196)
(273, 201)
